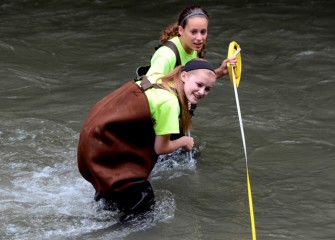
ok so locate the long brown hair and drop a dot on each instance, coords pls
(172, 30)
(171, 82)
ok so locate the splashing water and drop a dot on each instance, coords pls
(43, 195)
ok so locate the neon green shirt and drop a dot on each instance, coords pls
(164, 60)
(164, 109)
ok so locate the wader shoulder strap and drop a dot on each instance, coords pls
(142, 70)
(146, 84)
(174, 48)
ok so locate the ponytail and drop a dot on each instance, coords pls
(171, 82)
(169, 32)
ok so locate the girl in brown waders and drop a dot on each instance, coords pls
(126, 131)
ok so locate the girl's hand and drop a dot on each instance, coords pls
(163, 144)
(189, 142)
(223, 70)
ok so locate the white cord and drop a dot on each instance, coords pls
(239, 111)
(189, 154)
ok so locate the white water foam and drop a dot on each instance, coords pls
(43, 195)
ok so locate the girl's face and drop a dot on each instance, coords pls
(197, 84)
(194, 35)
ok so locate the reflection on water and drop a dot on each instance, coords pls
(58, 58)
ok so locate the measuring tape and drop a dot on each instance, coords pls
(235, 76)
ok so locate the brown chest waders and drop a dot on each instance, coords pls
(116, 147)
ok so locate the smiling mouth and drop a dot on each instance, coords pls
(197, 97)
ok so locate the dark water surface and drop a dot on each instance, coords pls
(57, 58)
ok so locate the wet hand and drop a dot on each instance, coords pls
(189, 142)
